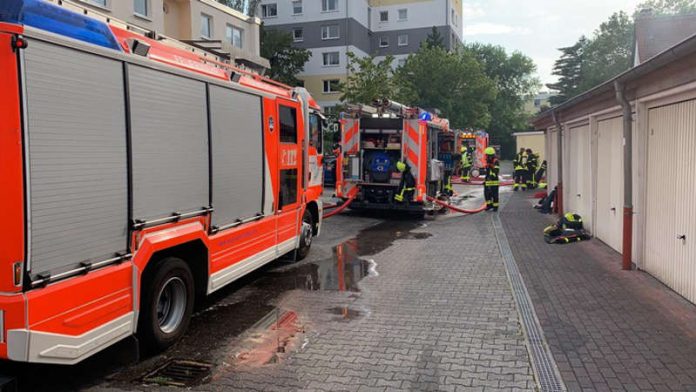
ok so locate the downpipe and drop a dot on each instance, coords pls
(626, 264)
(558, 205)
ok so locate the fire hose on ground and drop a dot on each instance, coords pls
(456, 209)
(338, 209)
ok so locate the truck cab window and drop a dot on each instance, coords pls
(288, 125)
(315, 132)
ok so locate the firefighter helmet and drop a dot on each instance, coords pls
(400, 166)
(490, 151)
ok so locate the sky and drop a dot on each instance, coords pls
(537, 28)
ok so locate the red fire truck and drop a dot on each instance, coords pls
(375, 138)
(137, 176)
(476, 141)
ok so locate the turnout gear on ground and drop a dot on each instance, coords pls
(532, 166)
(520, 173)
(466, 163)
(407, 185)
(491, 184)
(568, 229)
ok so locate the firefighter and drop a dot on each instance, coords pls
(407, 185)
(520, 176)
(532, 166)
(465, 163)
(540, 173)
(492, 181)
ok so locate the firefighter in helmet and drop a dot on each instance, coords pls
(492, 181)
(407, 185)
(532, 166)
(465, 163)
(520, 174)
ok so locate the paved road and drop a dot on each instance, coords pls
(386, 304)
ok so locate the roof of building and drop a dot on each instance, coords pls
(655, 34)
(682, 49)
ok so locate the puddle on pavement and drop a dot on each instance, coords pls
(264, 333)
(346, 313)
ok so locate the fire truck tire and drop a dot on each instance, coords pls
(306, 236)
(166, 305)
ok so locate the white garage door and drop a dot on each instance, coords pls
(670, 250)
(578, 195)
(609, 227)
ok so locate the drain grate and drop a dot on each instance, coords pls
(179, 373)
(544, 366)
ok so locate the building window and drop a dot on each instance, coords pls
(206, 26)
(383, 41)
(329, 5)
(298, 34)
(454, 18)
(141, 7)
(99, 3)
(330, 32)
(269, 10)
(331, 58)
(384, 16)
(403, 40)
(297, 7)
(235, 36)
(403, 14)
(331, 86)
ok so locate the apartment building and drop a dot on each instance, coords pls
(208, 24)
(330, 28)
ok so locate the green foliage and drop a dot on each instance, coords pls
(513, 76)
(367, 80)
(434, 39)
(609, 51)
(286, 60)
(455, 83)
(667, 7)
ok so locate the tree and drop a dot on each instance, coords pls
(513, 76)
(609, 53)
(434, 39)
(569, 71)
(591, 62)
(368, 79)
(667, 7)
(455, 83)
(286, 60)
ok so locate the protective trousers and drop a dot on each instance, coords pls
(520, 177)
(490, 192)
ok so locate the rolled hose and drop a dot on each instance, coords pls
(339, 209)
(457, 209)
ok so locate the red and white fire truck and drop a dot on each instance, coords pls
(137, 176)
(375, 138)
(477, 142)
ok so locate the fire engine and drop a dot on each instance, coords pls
(476, 141)
(138, 175)
(375, 138)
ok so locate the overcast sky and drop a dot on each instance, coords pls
(537, 27)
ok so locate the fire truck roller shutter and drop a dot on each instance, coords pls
(169, 135)
(76, 124)
(237, 141)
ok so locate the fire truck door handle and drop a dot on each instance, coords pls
(613, 209)
(578, 195)
(682, 237)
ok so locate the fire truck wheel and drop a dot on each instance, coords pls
(167, 304)
(306, 236)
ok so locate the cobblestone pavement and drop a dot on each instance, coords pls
(608, 330)
(439, 316)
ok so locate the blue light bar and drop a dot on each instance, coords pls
(49, 17)
(426, 116)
